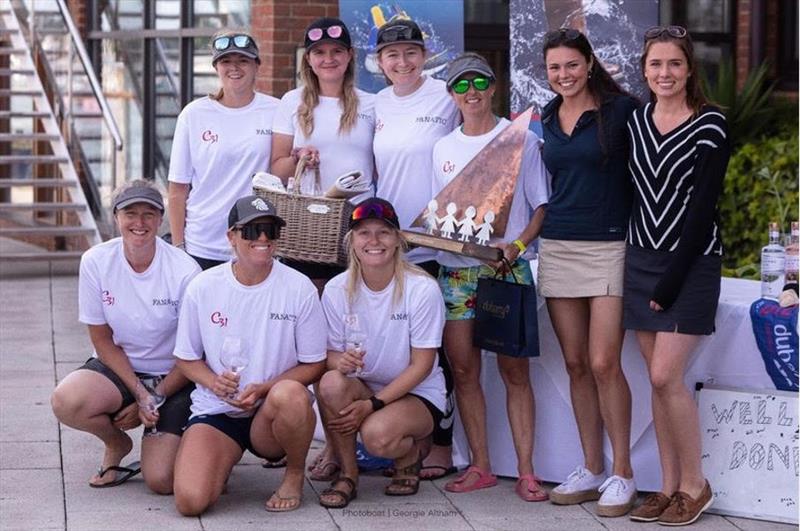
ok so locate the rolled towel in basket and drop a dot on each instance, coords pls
(349, 185)
(267, 181)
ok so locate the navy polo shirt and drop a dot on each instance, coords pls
(592, 188)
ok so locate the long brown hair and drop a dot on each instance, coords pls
(695, 97)
(309, 98)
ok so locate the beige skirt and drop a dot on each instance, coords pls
(581, 268)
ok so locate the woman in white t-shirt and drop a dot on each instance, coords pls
(220, 141)
(411, 114)
(385, 320)
(471, 83)
(129, 291)
(251, 335)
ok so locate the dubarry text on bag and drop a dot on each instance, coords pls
(506, 321)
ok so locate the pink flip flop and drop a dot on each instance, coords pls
(529, 489)
(485, 480)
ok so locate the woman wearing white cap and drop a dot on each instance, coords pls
(327, 120)
(251, 335)
(220, 142)
(129, 292)
(411, 114)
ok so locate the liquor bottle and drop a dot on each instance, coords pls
(793, 255)
(773, 262)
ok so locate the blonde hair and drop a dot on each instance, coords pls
(226, 32)
(401, 267)
(309, 98)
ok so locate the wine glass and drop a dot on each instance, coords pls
(151, 404)
(233, 355)
(355, 340)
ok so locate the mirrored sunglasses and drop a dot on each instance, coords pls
(253, 231)
(334, 32)
(373, 211)
(676, 32)
(462, 85)
(238, 41)
(561, 35)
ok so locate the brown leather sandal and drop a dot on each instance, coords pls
(343, 498)
(405, 481)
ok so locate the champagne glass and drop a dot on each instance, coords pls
(233, 356)
(355, 340)
(151, 403)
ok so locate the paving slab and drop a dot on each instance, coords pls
(31, 499)
(30, 455)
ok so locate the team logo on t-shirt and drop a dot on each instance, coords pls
(431, 120)
(448, 166)
(265, 132)
(218, 319)
(378, 125)
(108, 299)
(401, 316)
(165, 302)
(273, 316)
(210, 136)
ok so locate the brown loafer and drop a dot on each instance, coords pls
(684, 510)
(651, 508)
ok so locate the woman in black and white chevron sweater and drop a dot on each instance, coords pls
(679, 154)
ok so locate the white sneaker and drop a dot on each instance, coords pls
(619, 495)
(581, 485)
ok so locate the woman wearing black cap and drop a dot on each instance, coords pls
(385, 319)
(137, 274)
(251, 335)
(220, 142)
(410, 116)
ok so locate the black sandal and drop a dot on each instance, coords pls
(344, 498)
(405, 481)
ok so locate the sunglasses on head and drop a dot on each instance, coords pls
(398, 33)
(373, 211)
(252, 231)
(238, 41)
(480, 83)
(334, 32)
(676, 32)
(561, 35)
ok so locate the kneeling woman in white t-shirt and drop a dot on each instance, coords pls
(385, 384)
(129, 292)
(251, 335)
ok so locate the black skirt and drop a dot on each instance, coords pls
(696, 306)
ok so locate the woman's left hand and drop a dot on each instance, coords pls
(351, 417)
(128, 418)
(510, 253)
(249, 398)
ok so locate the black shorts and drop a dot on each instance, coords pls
(172, 416)
(237, 428)
(206, 263)
(433, 410)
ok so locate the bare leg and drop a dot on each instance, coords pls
(205, 459)
(570, 318)
(85, 400)
(520, 407)
(158, 461)
(605, 347)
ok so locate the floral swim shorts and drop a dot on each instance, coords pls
(459, 286)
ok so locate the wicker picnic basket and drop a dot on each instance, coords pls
(315, 225)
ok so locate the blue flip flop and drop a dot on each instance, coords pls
(124, 473)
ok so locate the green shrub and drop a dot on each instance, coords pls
(760, 186)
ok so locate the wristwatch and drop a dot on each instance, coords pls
(377, 403)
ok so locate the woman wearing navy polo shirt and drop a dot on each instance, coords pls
(581, 260)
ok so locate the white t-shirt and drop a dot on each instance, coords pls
(280, 322)
(406, 128)
(391, 329)
(140, 308)
(217, 150)
(453, 152)
(338, 153)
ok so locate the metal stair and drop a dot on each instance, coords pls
(41, 199)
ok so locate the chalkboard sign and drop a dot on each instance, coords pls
(750, 452)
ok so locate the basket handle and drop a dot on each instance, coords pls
(300, 172)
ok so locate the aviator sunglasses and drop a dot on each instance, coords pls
(462, 85)
(252, 231)
(676, 32)
(334, 32)
(238, 41)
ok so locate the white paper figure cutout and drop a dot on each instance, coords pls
(485, 229)
(448, 222)
(431, 221)
(467, 225)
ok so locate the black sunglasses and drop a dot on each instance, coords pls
(238, 41)
(399, 33)
(676, 32)
(252, 231)
(561, 35)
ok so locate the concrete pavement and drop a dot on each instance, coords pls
(44, 467)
